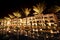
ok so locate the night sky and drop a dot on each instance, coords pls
(9, 6)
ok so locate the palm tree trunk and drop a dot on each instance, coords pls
(26, 21)
(26, 25)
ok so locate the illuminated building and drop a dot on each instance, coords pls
(37, 21)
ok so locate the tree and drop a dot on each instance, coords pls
(39, 8)
(18, 15)
(26, 11)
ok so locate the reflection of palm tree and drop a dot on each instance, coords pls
(26, 11)
(6, 29)
(17, 28)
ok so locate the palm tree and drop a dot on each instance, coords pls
(11, 16)
(27, 12)
(39, 8)
(17, 14)
(54, 9)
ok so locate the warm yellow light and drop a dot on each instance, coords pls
(48, 27)
(14, 30)
(39, 8)
(26, 11)
(36, 30)
(35, 13)
(55, 25)
(8, 22)
(40, 29)
(57, 8)
(31, 18)
(51, 31)
(11, 16)
(49, 24)
(32, 23)
(36, 9)
(4, 29)
(20, 23)
(9, 31)
(7, 18)
(36, 24)
(33, 29)
(17, 14)
(20, 20)
(57, 31)
(46, 36)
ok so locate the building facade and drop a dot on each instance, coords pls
(37, 21)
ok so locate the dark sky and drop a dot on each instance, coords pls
(9, 6)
